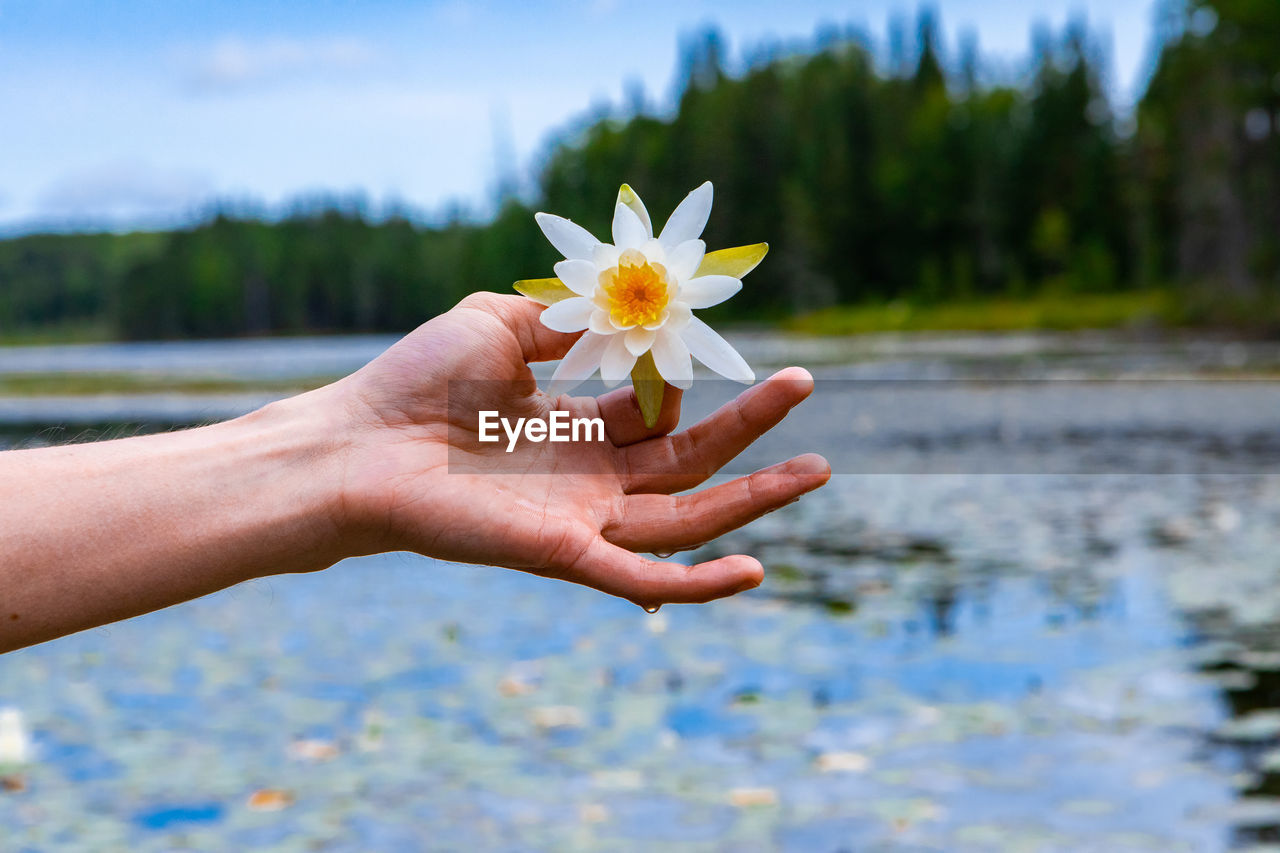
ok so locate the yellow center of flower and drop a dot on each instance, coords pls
(636, 291)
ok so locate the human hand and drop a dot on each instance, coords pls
(416, 477)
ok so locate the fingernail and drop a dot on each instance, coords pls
(799, 374)
(810, 464)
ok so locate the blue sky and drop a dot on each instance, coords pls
(137, 113)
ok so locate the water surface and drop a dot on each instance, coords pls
(1023, 615)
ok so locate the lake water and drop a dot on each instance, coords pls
(1038, 608)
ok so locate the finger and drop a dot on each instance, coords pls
(650, 583)
(663, 523)
(688, 458)
(522, 316)
(623, 421)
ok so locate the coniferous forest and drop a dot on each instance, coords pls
(904, 174)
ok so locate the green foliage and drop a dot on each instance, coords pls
(1207, 152)
(326, 271)
(1051, 311)
(912, 188)
(65, 281)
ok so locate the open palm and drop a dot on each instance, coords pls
(418, 477)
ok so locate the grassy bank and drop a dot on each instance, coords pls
(93, 332)
(1052, 311)
(36, 384)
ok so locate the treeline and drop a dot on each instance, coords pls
(922, 181)
(318, 270)
(874, 187)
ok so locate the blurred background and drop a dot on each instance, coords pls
(1031, 252)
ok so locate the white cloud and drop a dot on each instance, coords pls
(602, 8)
(234, 63)
(123, 191)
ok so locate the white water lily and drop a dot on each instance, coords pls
(636, 295)
(15, 742)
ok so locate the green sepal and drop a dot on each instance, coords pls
(544, 291)
(650, 387)
(736, 262)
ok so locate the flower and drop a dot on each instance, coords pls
(15, 742)
(635, 297)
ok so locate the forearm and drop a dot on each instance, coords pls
(93, 533)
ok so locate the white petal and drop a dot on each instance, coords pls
(708, 290)
(639, 340)
(678, 316)
(606, 256)
(617, 361)
(671, 357)
(659, 323)
(569, 238)
(599, 322)
(568, 315)
(578, 275)
(579, 363)
(715, 352)
(683, 260)
(631, 199)
(689, 218)
(653, 251)
(628, 230)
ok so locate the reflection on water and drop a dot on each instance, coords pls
(945, 662)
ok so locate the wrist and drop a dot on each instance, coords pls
(296, 451)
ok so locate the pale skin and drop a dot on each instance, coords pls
(386, 460)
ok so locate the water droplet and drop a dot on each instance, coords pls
(653, 609)
(663, 555)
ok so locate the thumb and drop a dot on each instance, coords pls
(522, 317)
